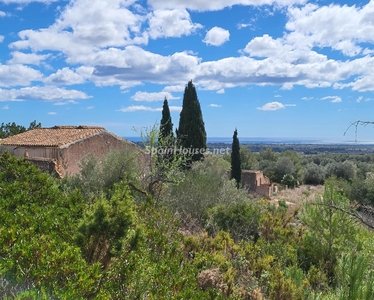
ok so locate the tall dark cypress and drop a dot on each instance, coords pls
(166, 126)
(236, 170)
(191, 131)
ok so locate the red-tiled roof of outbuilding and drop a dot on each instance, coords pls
(52, 137)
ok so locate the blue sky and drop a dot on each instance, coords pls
(270, 68)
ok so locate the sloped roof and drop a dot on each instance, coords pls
(52, 137)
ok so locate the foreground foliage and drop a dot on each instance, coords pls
(68, 241)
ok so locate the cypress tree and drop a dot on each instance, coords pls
(166, 126)
(236, 170)
(191, 131)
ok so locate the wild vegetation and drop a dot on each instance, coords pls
(125, 228)
(203, 238)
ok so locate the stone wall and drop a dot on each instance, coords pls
(46, 165)
(98, 145)
(256, 182)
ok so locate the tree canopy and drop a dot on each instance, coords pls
(166, 125)
(191, 131)
(9, 129)
(236, 170)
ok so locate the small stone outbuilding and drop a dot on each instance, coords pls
(256, 182)
(59, 149)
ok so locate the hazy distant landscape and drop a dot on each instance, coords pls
(280, 145)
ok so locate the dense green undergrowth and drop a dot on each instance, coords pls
(201, 239)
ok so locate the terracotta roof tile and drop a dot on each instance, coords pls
(52, 137)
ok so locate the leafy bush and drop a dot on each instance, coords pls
(240, 220)
(206, 185)
(99, 176)
(290, 181)
(313, 174)
(346, 170)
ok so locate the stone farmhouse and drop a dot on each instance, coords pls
(256, 182)
(59, 149)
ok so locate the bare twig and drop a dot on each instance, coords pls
(354, 213)
(356, 124)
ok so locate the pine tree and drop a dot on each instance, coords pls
(236, 171)
(166, 126)
(191, 131)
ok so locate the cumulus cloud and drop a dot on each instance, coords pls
(216, 36)
(271, 106)
(142, 65)
(2, 13)
(108, 47)
(18, 75)
(41, 93)
(174, 88)
(27, 1)
(65, 76)
(333, 99)
(171, 23)
(151, 97)
(83, 28)
(200, 5)
(27, 58)
(342, 28)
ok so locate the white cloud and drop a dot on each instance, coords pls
(41, 93)
(214, 105)
(171, 23)
(27, 58)
(243, 25)
(135, 108)
(5, 107)
(18, 75)
(307, 98)
(221, 91)
(61, 103)
(90, 107)
(200, 5)
(334, 99)
(64, 76)
(1, 38)
(106, 47)
(142, 65)
(82, 28)
(359, 99)
(175, 108)
(151, 97)
(174, 88)
(342, 28)
(271, 106)
(2, 13)
(27, 1)
(52, 113)
(216, 36)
